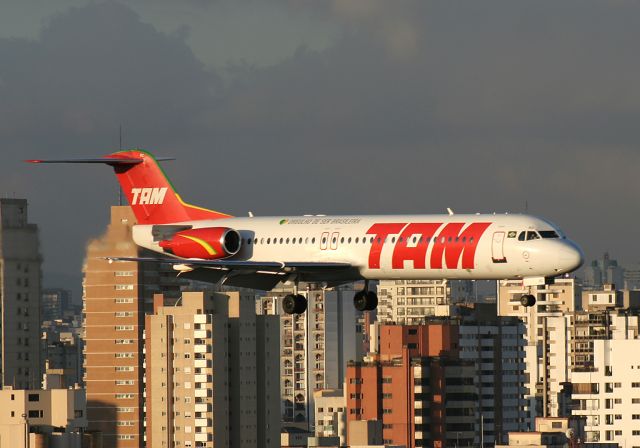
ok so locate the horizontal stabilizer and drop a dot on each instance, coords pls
(107, 160)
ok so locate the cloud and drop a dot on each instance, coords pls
(414, 108)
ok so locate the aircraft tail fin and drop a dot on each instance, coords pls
(148, 190)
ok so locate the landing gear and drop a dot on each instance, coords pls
(294, 304)
(527, 300)
(365, 300)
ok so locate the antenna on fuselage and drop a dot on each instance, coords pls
(449, 211)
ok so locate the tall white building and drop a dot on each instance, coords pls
(20, 279)
(609, 396)
(541, 364)
(314, 346)
(411, 301)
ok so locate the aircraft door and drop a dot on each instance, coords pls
(497, 248)
(334, 240)
(324, 240)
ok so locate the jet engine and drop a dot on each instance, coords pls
(208, 243)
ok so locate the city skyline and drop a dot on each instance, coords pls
(325, 97)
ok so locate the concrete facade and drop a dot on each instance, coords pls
(116, 296)
(42, 414)
(412, 301)
(314, 347)
(20, 293)
(187, 399)
(554, 300)
(496, 346)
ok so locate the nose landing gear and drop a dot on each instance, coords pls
(365, 300)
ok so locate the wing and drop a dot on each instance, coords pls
(263, 275)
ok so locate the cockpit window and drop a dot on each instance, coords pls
(548, 234)
(530, 235)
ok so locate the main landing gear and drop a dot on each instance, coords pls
(527, 300)
(365, 300)
(294, 303)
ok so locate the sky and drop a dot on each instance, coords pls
(291, 107)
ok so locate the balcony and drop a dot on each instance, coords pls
(200, 334)
(202, 422)
(202, 392)
(202, 378)
(203, 437)
(417, 404)
(202, 348)
(202, 363)
(202, 407)
(200, 319)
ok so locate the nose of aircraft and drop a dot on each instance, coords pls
(571, 256)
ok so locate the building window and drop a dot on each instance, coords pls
(34, 397)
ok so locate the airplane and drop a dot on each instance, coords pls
(260, 252)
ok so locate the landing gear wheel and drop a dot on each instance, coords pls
(365, 301)
(294, 304)
(527, 300)
(372, 300)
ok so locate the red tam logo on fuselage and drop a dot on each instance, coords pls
(452, 243)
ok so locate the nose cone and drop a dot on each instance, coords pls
(570, 257)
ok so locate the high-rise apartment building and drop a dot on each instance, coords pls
(541, 364)
(414, 301)
(417, 386)
(608, 396)
(314, 346)
(212, 372)
(62, 351)
(20, 283)
(55, 301)
(254, 373)
(186, 355)
(116, 296)
(602, 271)
(496, 346)
(43, 418)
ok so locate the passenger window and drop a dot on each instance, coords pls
(324, 240)
(393, 240)
(357, 239)
(287, 241)
(300, 240)
(342, 240)
(268, 240)
(313, 240)
(349, 240)
(281, 240)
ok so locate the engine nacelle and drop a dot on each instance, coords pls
(208, 243)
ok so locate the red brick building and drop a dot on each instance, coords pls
(423, 394)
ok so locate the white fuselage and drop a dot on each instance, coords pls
(477, 246)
